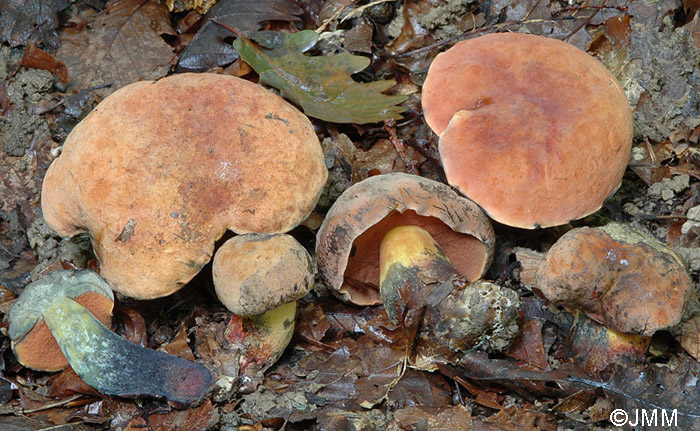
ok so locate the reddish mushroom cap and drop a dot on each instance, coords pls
(159, 171)
(618, 276)
(534, 130)
(347, 247)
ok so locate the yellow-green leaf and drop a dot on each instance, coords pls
(321, 85)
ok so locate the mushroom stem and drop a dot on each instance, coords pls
(261, 341)
(415, 272)
(411, 259)
(114, 365)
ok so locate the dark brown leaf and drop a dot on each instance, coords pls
(529, 347)
(24, 423)
(122, 45)
(133, 327)
(67, 383)
(22, 19)
(200, 418)
(179, 346)
(442, 418)
(664, 389)
(209, 48)
(312, 323)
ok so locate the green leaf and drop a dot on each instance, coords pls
(322, 85)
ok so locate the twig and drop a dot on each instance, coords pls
(467, 35)
(52, 405)
(331, 19)
(584, 23)
(358, 11)
(390, 127)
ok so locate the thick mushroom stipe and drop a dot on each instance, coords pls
(347, 247)
(534, 130)
(104, 360)
(158, 171)
(255, 273)
(619, 277)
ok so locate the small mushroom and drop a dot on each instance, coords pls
(259, 277)
(347, 247)
(105, 361)
(534, 130)
(159, 170)
(619, 276)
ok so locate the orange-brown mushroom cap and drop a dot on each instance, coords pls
(619, 277)
(159, 171)
(534, 130)
(255, 273)
(347, 247)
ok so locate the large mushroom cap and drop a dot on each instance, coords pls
(534, 130)
(618, 276)
(347, 248)
(255, 273)
(159, 171)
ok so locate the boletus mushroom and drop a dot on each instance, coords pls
(105, 361)
(534, 130)
(619, 276)
(259, 278)
(347, 247)
(159, 170)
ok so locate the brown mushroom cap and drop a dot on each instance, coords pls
(159, 171)
(32, 342)
(347, 247)
(534, 130)
(255, 273)
(618, 276)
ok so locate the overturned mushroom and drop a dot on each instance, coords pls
(158, 171)
(32, 341)
(259, 277)
(534, 130)
(618, 276)
(347, 247)
(105, 361)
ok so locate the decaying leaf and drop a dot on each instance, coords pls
(39, 59)
(122, 46)
(667, 390)
(20, 20)
(322, 85)
(209, 49)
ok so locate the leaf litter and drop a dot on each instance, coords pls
(348, 368)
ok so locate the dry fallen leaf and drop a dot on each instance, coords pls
(39, 59)
(122, 45)
(322, 85)
(209, 49)
(20, 20)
